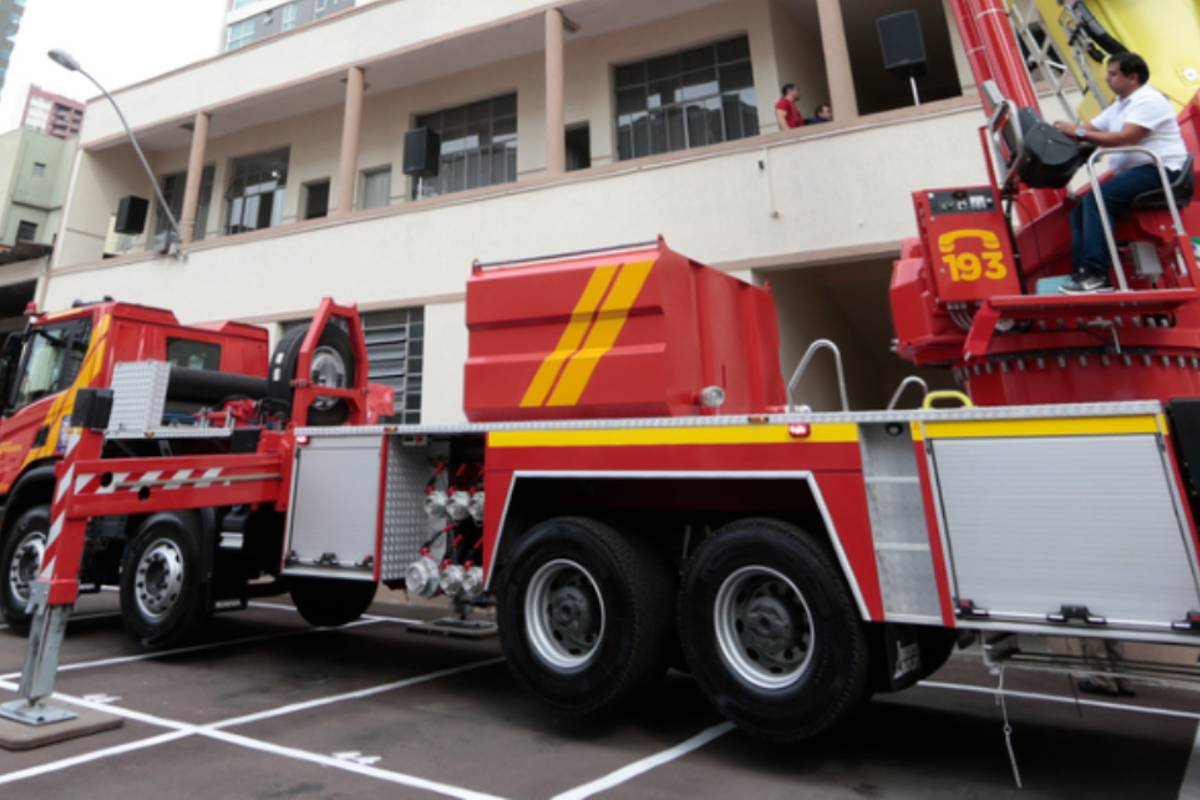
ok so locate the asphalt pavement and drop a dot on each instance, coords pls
(266, 707)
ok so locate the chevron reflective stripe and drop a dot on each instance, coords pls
(82, 481)
(118, 477)
(47, 573)
(178, 479)
(64, 484)
(212, 472)
(55, 529)
(147, 479)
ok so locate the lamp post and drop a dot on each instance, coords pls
(175, 235)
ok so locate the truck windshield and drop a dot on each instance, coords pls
(52, 359)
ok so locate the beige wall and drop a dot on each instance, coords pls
(98, 182)
(442, 381)
(838, 189)
(314, 138)
(848, 304)
(778, 199)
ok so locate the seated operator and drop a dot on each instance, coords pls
(1139, 116)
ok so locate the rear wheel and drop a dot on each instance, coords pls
(331, 602)
(20, 563)
(585, 615)
(162, 582)
(770, 631)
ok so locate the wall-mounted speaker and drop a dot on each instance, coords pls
(902, 43)
(422, 153)
(131, 214)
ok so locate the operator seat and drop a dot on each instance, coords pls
(1183, 187)
(1048, 158)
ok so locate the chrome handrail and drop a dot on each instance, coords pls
(819, 344)
(1106, 223)
(911, 380)
(1006, 109)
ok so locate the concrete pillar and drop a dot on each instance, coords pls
(556, 124)
(351, 123)
(195, 176)
(837, 61)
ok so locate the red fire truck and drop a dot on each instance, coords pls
(638, 487)
(43, 368)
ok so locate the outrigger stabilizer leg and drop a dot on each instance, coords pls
(57, 587)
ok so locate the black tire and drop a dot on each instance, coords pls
(576, 665)
(163, 598)
(336, 343)
(329, 602)
(790, 661)
(25, 540)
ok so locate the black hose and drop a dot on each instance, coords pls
(212, 387)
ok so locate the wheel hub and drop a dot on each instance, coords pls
(570, 616)
(159, 579)
(26, 563)
(768, 624)
(328, 369)
(564, 615)
(763, 627)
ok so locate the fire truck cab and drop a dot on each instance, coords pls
(42, 370)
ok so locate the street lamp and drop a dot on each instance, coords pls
(175, 236)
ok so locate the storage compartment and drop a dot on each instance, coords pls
(333, 525)
(637, 333)
(1034, 524)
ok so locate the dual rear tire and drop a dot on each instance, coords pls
(584, 616)
(770, 631)
(589, 619)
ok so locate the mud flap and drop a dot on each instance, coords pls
(902, 647)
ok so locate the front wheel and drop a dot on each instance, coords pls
(162, 585)
(771, 633)
(20, 562)
(331, 602)
(585, 615)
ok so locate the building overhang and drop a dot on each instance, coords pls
(303, 71)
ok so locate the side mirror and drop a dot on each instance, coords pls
(10, 360)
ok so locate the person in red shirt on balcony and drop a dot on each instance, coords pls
(786, 112)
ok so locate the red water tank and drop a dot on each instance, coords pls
(632, 333)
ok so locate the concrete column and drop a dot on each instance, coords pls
(195, 176)
(837, 61)
(556, 123)
(351, 123)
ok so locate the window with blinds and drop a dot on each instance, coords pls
(395, 354)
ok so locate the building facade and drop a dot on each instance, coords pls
(34, 173)
(11, 12)
(249, 21)
(52, 113)
(575, 125)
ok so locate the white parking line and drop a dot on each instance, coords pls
(644, 765)
(109, 708)
(108, 662)
(380, 617)
(179, 730)
(641, 766)
(387, 775)
(1054, 698)
(95, 755)
(356, 695)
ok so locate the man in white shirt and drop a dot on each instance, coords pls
(1140, 116)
